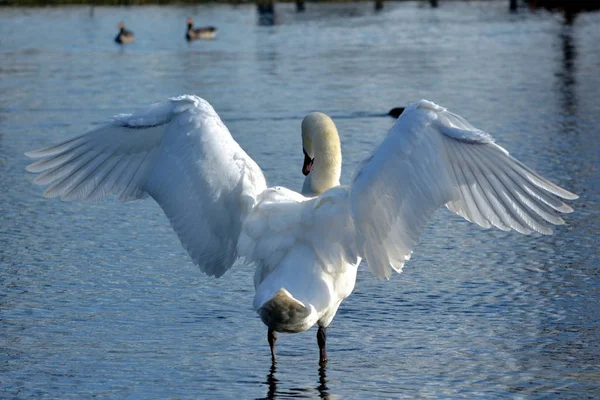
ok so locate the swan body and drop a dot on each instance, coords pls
(306, 247)
(292, 241)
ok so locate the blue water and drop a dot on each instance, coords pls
(100, 300)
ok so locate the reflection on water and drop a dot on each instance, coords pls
(570, 9)
(275, 391)
(100, 300)
(267, 15)
(272, 382)
(322, 388)
(568, 72)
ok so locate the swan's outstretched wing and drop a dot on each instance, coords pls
(433, 157)
(180, 153)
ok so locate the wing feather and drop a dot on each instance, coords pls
(527, 211)
(472, 201)
(433, 157)
(180, 153)
(495, 193)
(101, 184)
(528, 182)
(54, 150)
(530, 196)
(53, 160)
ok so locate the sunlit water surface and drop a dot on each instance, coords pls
(101, 300)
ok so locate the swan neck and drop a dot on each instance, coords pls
(327, 167)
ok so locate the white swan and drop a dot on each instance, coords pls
(306, 249)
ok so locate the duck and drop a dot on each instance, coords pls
(124, 36)
(306, 245)
(205, 32)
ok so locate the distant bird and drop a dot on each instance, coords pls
(306, 246)
(396, 112)
(124, 35)
(205, 32)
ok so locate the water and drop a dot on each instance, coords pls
(100, 300)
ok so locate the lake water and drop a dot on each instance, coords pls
(100, 300)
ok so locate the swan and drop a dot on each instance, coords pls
(205, 32)
(395, 112)
(306, 246)
(124, 36)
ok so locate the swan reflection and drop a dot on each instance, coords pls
(275, 391)
(272, 382)
(322, 388)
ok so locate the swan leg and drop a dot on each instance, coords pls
(272, 337)
(321, 336)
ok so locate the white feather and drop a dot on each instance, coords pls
(180, 153)
(215, 196)
(432, 157)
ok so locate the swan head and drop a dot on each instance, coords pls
(322, 153)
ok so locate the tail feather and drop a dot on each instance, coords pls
(283, 313)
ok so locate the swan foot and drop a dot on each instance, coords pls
(272, 337)
(321, 336)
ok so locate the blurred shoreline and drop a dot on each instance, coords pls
(42, 3)
(552, 5)
(37, 3)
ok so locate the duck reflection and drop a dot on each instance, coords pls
(274, 390)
